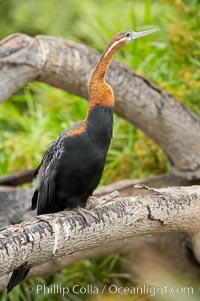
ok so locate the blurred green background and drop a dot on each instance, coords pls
(38, 113)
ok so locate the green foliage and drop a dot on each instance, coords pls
(34, 116)
(38, 114)
(96, 272)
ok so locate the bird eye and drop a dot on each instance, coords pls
(128, 34)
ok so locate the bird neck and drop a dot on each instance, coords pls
(100, 92)
(104, 62)
(99, 125)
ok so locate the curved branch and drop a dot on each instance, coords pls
(67, 65)
(149, 211)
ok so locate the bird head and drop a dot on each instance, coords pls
(125, 37)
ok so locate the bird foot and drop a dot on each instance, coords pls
(94, 202)
(85, 214)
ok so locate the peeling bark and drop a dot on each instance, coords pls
(177, 256)
(149, 211)
(67, 65)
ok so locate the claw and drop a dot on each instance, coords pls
(92, 202)
(107, 198)
(84, 213)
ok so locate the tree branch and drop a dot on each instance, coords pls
(17, 179)
(148, 211)
(176, 256)
(67, 65)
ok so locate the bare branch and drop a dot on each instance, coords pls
(149, 211)
(67, 65)
(17, 179)
(176, 256)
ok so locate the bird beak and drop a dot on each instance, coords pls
(140, 34)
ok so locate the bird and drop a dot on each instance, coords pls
(72, 166)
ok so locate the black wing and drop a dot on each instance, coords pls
(44, 195)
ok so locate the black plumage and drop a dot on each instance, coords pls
(72, 166)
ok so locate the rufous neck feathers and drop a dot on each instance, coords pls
(100, 92)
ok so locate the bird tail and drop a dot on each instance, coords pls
(17, 277)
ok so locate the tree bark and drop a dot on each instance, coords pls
(68, 65)
(177, 257)
(148, 211)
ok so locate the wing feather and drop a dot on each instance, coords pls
(44, 195)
